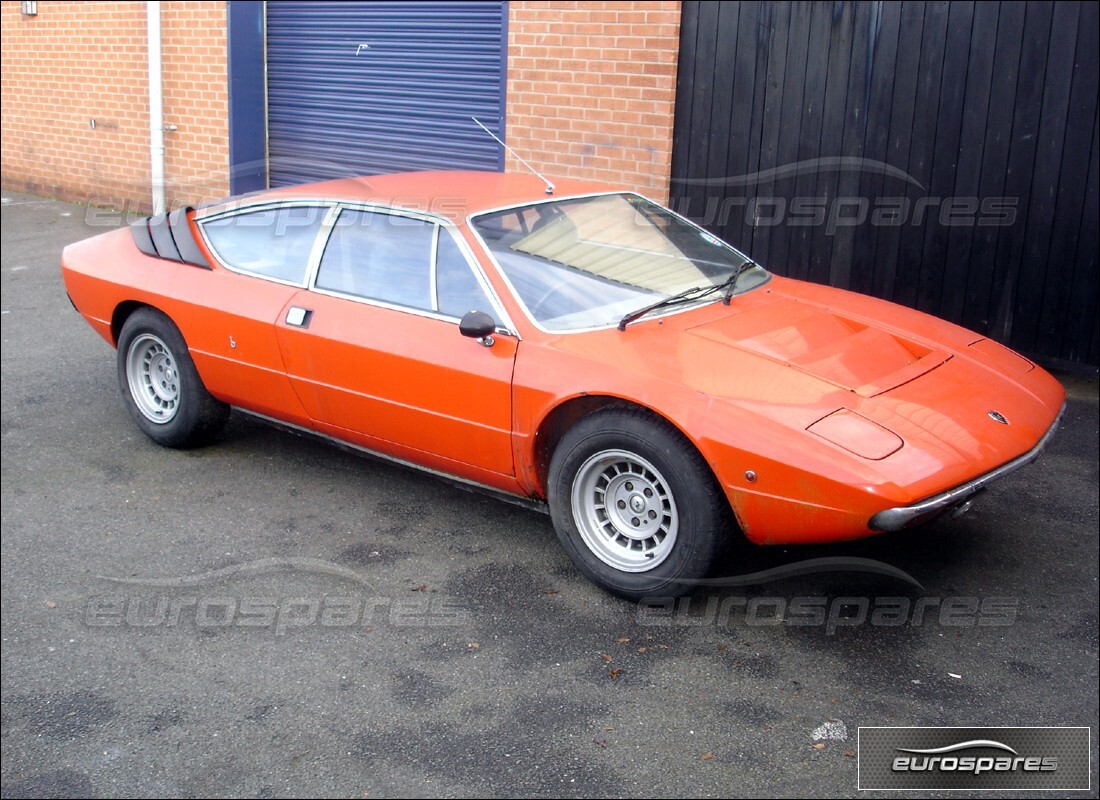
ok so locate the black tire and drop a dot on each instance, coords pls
(627, 490)
(160, 385)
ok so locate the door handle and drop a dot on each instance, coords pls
(299, 317)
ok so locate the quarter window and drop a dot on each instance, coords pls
(269, 243)
(457, 289)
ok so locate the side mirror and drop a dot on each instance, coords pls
(478, 325)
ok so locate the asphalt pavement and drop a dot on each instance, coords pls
(272, 616)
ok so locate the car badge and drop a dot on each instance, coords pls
(997, 416)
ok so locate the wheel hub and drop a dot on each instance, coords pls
(636, 509)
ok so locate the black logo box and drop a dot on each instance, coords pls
(974, 758)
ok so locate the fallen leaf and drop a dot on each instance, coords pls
(642, 649)
(624, 640)
(608, 727)
(551, 591)
(849, 753)
(721, 648)
(474, 645)
(662, 647)
(707, 756)
(605, 657)
(614, 673)
(819, 746)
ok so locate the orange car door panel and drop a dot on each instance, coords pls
(401, 377)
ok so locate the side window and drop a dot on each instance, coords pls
(271, 243)
(457, 290)
(378, 256)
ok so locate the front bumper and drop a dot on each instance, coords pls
(893, 519)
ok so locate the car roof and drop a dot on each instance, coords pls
(450, 194)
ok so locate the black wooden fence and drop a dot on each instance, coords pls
(942, 155)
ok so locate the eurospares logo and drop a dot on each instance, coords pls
(974, 758)
(945, 760)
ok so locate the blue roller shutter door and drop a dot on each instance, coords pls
(364, 88)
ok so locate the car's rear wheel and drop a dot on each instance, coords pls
(635, 506)
(162, 389)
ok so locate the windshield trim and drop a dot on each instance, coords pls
(677, 309)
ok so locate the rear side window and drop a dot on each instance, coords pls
(270, 243)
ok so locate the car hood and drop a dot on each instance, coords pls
(913, 397)
(856, 354)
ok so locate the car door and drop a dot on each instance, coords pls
(266, 251)
(374, 351)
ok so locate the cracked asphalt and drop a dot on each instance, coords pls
(271, 616)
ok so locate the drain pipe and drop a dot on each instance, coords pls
(156, 109)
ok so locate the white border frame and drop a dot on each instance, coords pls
(973, 727)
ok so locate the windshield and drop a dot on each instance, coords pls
(586, 262)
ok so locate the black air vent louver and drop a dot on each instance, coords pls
(169, 236)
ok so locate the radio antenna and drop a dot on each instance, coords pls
(549, 186)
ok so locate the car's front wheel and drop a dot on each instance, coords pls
(635, 506)
(162, 389)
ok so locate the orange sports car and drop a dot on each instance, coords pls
(579, 348)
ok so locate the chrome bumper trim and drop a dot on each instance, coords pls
(893, 519)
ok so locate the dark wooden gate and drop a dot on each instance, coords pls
(942, 155)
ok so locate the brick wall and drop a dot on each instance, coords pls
(75, 62)
(592, 88)
(194, 47)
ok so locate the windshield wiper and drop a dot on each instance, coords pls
(727, 288)
(731, 281)
(686, 296)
